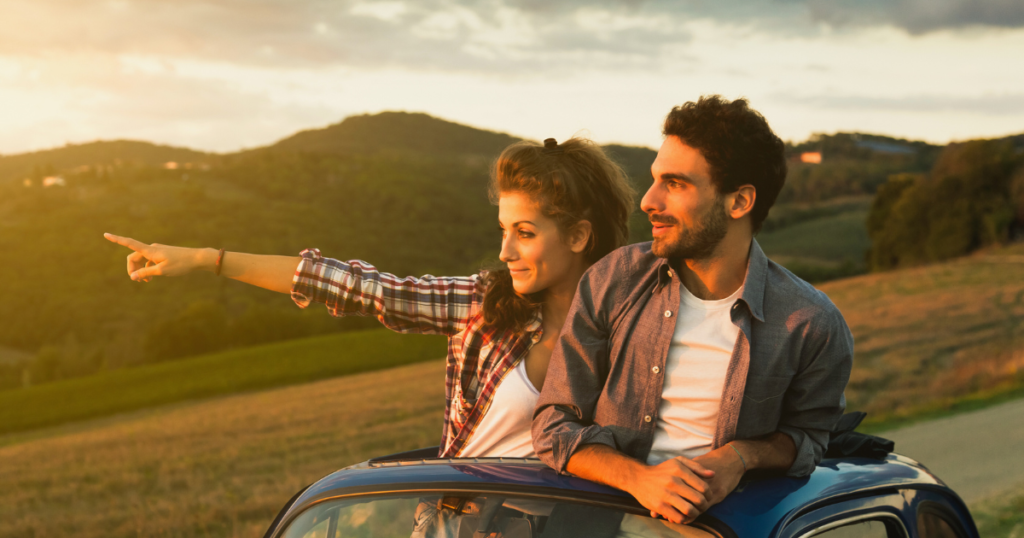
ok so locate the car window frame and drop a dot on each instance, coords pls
(878, 515)
(942, 512)
(883, 503)
(705, 522)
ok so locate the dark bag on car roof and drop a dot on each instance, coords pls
(845, 442)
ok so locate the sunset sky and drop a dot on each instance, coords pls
(221, 75)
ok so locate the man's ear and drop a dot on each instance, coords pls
(579, 236)
(741, 202)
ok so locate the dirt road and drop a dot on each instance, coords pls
(978, 454)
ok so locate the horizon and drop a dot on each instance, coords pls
(603, 143)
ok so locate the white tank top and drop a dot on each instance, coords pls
(695, 369)
(505, 428)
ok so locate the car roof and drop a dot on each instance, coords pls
(759, 503)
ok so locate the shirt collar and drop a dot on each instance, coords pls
(536, 323)
(753, 281)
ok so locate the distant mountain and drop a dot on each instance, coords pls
(394, 132)
(50, 161)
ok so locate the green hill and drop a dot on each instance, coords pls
(395, 132)
(94, 154)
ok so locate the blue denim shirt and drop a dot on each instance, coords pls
(788, 370)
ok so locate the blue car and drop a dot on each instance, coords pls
(414, 494)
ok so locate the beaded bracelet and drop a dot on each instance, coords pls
(220, 258)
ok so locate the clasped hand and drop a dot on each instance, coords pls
(681, 489)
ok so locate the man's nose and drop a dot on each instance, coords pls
(652, 202)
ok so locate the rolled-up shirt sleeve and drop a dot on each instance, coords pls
(577, 372)
(815, 401)
(426, 304)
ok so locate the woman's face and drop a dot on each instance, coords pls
(532, 246)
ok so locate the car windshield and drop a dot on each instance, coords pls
(465, 516)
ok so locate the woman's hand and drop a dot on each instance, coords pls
(162, 260)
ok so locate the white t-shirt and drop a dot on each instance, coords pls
(505, 429)
(695, 369)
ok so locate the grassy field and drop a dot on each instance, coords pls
(215, 468)
(1001, 516)
(223, 467)
(936, 338)
(259, 367)
(819, 242)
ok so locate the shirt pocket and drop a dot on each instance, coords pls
(762, 405)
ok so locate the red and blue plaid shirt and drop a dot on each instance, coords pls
(478, 356)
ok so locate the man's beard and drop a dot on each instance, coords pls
(696, 243)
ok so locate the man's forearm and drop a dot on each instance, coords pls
(603, 464)
(775, 451)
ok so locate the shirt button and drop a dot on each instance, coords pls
(668, 313)
(647, 418)
(670, 273)
(655, 369)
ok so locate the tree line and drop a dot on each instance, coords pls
(972, 197)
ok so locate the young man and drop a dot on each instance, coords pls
(690, 360)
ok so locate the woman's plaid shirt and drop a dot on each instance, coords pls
(478, 356)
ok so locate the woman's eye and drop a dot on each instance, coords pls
(524, 233)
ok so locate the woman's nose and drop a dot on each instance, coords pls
(508, 250)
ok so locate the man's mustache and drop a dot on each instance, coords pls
(662, 219)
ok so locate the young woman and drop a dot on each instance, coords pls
(561, 207)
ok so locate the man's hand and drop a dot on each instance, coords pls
(728, 468)
(676, 490)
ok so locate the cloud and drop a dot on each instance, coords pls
(988, 105)
(481, 36)
(920, 16)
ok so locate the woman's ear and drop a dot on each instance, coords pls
(579, 236)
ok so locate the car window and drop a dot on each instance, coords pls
(931, 525)
(457, 516)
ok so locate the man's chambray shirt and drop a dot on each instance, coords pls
(787, 373)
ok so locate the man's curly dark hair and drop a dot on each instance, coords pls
(737, 143)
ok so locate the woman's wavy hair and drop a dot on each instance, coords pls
(572, 181)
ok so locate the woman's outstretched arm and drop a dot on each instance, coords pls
(274, 273)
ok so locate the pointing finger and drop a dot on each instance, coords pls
(137, 246)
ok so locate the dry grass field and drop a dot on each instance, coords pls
(928, 337)
(214, 468)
